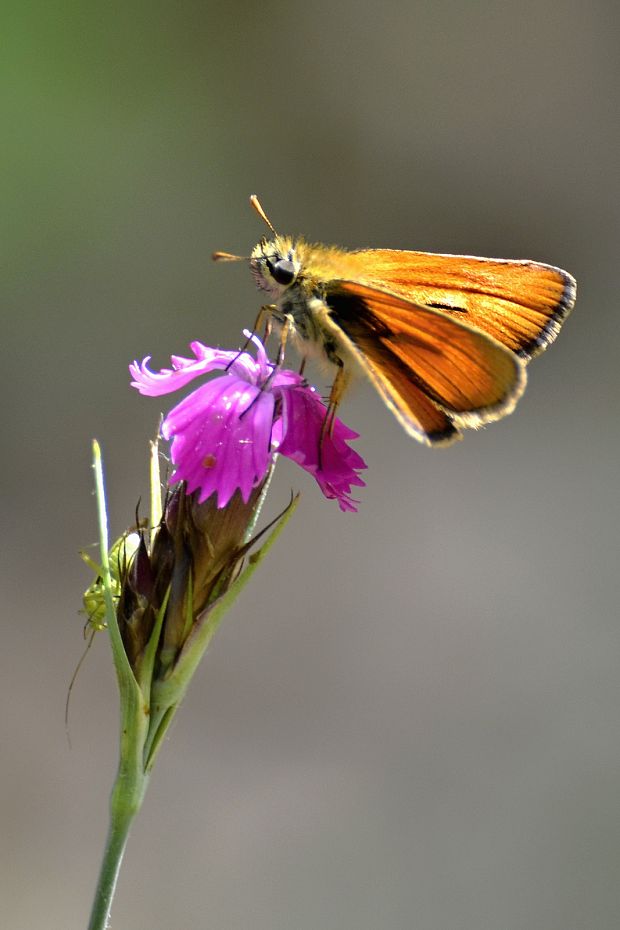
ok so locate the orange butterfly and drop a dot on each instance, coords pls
(443, 338)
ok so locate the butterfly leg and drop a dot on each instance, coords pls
(286, 328)
(264, 313)
(339, 386)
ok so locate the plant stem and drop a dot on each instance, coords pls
(125, 803)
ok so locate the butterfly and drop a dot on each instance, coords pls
(444, 339)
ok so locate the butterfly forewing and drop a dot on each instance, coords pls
(522, 304)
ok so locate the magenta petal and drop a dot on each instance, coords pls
(184, 370)
(224, 434)
(335, 469)
(220, 438)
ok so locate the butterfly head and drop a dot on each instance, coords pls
(275, 265)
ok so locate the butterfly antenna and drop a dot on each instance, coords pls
(227, 257)
(255, 202)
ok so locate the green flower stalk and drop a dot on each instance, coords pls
(162, 605)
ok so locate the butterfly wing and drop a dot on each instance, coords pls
(435, 372)
(522, 304)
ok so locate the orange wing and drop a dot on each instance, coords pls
(435, 372)
(522, 304)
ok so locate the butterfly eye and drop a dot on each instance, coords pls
(282, 271)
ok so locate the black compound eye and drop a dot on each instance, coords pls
(282, 271)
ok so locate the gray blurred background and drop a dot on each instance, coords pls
(411, 718)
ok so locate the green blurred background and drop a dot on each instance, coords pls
(411, 719)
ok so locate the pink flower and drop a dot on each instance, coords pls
(225, 433)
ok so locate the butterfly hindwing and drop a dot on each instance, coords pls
(436, 373)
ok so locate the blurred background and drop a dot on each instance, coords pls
(411, 717)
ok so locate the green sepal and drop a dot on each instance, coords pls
(147, 660)
(133, 703)
(166, 695)
(121, 663)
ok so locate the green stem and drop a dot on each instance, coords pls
(125, 802)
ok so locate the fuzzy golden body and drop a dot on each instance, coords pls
(303, 305)
(444, 339)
